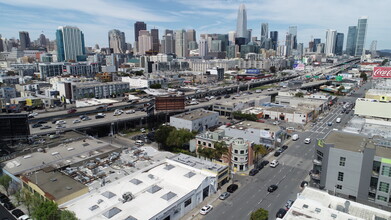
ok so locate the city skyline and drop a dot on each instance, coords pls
(217, 17)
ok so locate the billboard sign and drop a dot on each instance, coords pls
(253, 71)
(381, 72)
(170, 103)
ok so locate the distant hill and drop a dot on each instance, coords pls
(384, 53)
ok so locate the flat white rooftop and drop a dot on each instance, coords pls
(316, 204)
(154, 190)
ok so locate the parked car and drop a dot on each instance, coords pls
(4, 198)
(36, 125)
(265, 162)
(277, 153)
(295, 137)
(284, 147)
(272, 188)
(232, 188)
(45, 127)
(17, 213)
(253, 172)
(24, 217)
(281, 213)
(303, 184)
(224, 195)
(218, 98)
(206, 209)
(307, 141)
(289, 204)
(9, 205)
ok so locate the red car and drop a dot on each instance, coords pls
(70, 111)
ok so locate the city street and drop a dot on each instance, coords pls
(295, 164)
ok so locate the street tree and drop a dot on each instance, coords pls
(46, 210)
(364, 76)
(259, 149)
(299, 95)
(67, 215)
(162, 133)
(5, 181)
(177, 138)
(260, 214)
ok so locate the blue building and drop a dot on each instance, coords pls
(70, 43)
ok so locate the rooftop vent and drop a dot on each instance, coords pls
(169, 167)
(154, 189)
(86, 144)
(92, 208)
(318, 210)
(168, 196)
(108, 194)
(55, 153)
(68, 187)
(27, 156)
(135, 181)
(71, 148)
(112, 212)
(189, 174)
(334, 216)
(305, 206)
(53, 179)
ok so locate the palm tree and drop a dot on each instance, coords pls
(220, 150)
(259, 149)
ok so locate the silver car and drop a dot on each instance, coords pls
(224, 195)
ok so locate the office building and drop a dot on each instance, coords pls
(241, 25)
(288, 44)
(373, 48)
(181, 49)
(24, 40)
(191, 35)
(117, 41)
(70, 43)
(361, 34)
(155, 40)
(339, 44)
(231, 37)
(274, 39)
(168, 44)
(355, 167)
(264, 33)
(203, 48)
(293, 32)
(50, 69)
(215, 46)
(144, 42)
(43, 42)
(331, 36)
(351, 40)
(138, 26)
(315, 44)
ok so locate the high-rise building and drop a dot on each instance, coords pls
(293, 32)
(320, 48)
(167, 31)
(138, 26)
(241, 25)
(373, 48)
(288, 44)
(117, 41)
(168, 43)
(351, 40)
(264, 33)
(361, 34)
(339, 44)
(1, 44)
(215, 46)
(224, 41)
(191, 35)
(144, 42)
(70, 43)
(249, 34)
(181, 49)
(203, 47)
(42, 40)
(315, 45)
(274, 37)
(231, 37)
(155, 40)
(24, 40)
(330, 42)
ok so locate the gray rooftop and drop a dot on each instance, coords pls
(57, 184)
(62, 155)
(196, 114)
(288, 109)
(348, 141)
(256, 125)
(198, 163)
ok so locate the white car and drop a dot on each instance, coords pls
(307, 141)
(130, 112)
(33, 114)
(60, 122)
(206, 209)
(274, 163)
(76, 121)
(276, 122)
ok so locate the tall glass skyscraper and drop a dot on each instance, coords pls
(316, 42)
(351, 40)
(24, 40)
(117, 41)
(70, 43)
(361, 33)
(274, 37)
(339, 44)
(241, 25)
(264, 34)
(330, 42)
(293, 32)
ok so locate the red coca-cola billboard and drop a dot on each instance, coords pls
(381, 72)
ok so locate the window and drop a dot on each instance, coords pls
(384, 187)
(386, 171)
(209, 145)
(382, 198)
(340, 176)
(235, 159)
(235, 151)
(242, 152)
(187, 202)
(199, 142)
(339, 186)
(319, 153)
(342, 161)
(204, 143)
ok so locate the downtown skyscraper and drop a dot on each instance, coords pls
(274, 38)
(70, 43)
(331, 36)
(241, 25)
(264, 34)
(339, 44)
(181, 49)
(117, 41)
(155, 40)
(351, 40)
(24, 40)
(138, 26)
(361, 34)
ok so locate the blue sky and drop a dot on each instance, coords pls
(96, 17)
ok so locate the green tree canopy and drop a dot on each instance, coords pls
(260, 214)
(5, 181)
(47, 210)
(242, 116)
(273, 69)
(364, 76)
(299, 95)
(155, 86)
(162, 133)
(177, 138)
(68, 215)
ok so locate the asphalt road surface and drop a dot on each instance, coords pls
(295, 164)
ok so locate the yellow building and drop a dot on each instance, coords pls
(53, 185)
(379, 95)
